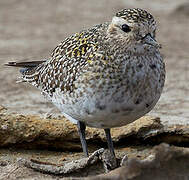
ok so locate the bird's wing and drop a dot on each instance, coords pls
(68, 60)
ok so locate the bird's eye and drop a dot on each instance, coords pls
(126, 28)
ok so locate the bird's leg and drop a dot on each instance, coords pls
(109, 140)
(81, 130)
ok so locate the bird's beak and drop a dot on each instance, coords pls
(148, 39)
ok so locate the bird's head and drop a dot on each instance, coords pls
(134, 30)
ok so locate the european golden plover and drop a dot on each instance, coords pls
(103, 77)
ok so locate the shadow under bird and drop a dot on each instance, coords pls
(106, 76)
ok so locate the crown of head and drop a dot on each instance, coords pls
(135, 15)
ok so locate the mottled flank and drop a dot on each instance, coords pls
(105, 76)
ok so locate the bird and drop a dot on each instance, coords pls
(106, 76)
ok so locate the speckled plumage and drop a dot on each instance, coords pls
(104, 76)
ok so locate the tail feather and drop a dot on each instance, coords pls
(29, 64)
(26, 66)
(29, 70)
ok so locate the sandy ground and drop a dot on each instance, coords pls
(29, 30)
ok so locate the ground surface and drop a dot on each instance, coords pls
(32, 29)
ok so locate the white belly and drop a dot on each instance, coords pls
(106, 112)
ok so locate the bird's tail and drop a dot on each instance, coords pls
(25, 65)
(29, 70)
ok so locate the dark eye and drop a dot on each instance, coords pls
(126, 28)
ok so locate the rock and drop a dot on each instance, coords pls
(168, 162)
(163, 162)
(31, 132)
(15, 171)
(68, 168)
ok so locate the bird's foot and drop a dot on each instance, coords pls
(109, 161)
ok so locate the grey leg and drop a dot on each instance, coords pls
(109, 140)
(81, 130)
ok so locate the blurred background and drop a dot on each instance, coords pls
(30, 30)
